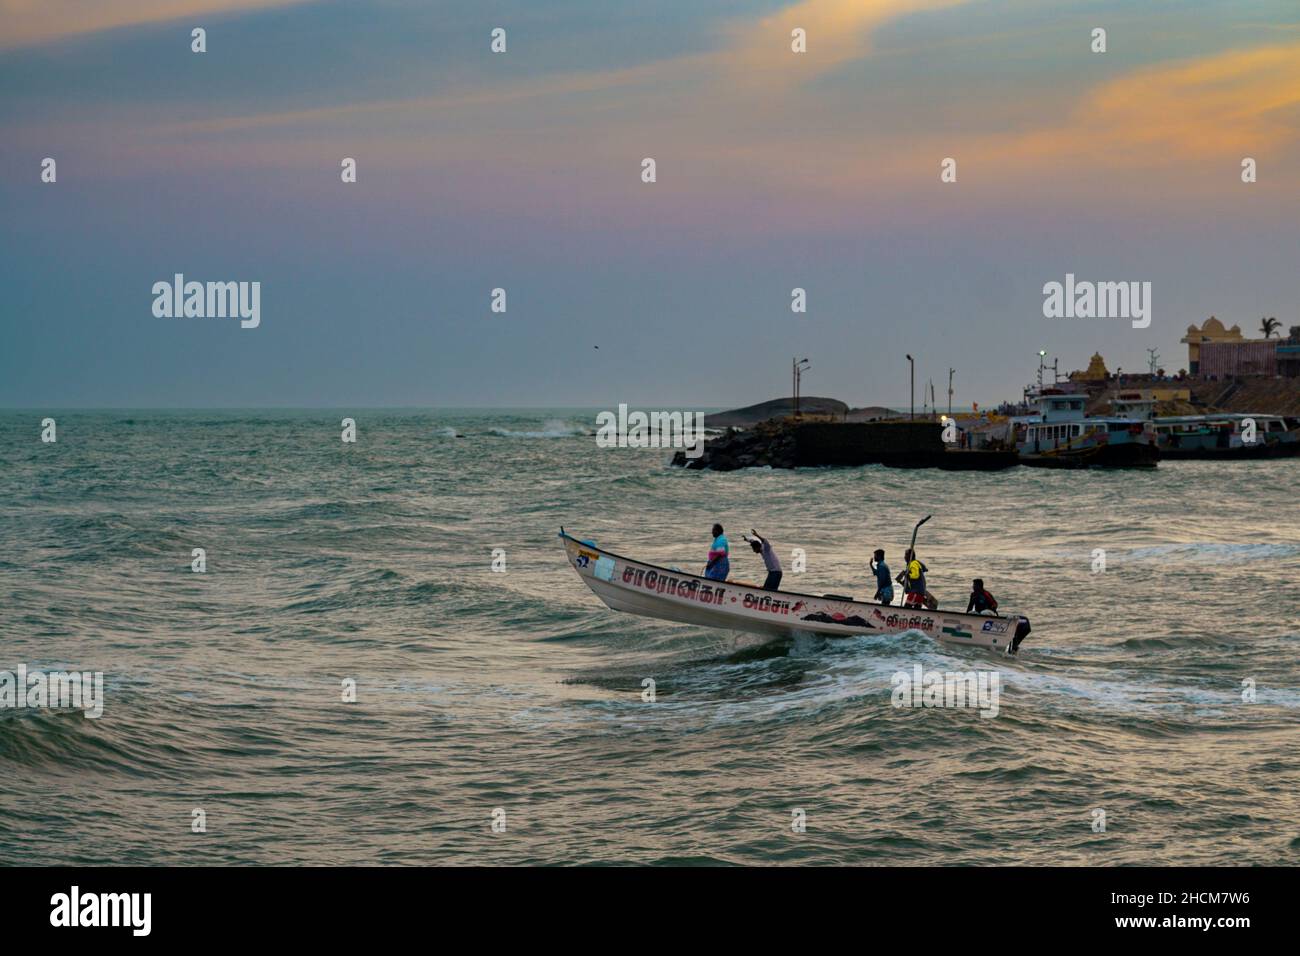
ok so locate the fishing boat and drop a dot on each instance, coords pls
(1061, 436)
(638, 587)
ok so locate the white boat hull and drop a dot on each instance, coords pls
(651, 591)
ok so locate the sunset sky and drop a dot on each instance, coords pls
(522, 170)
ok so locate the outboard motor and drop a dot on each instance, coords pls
(1022, 631)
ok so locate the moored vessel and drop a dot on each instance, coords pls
(1062, 436)
(1223, 435)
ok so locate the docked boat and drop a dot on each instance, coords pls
(1225, 435)
(652, 591)
(1062, 436)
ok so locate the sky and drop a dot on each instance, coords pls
(522, 170)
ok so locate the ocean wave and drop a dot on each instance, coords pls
(1198, 549)
(551, 428)
(64, 740)
(373, 565)
(1199, 640)
(298, 515)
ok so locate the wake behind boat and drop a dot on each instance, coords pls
(652, 591)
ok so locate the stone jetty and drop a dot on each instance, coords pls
(786, 443)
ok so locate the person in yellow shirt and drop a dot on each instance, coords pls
(912, 577)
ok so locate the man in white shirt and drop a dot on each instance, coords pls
(770, 561)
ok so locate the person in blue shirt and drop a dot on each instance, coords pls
(884, 583)
(719, 565)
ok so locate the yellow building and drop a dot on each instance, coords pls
(1211, 330)
(1095, 372)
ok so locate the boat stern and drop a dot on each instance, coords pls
(1022, 631)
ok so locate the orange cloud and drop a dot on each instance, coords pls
(711, 113)
(1228, 105)
(30, 22)
(837, 31)
(558, 87)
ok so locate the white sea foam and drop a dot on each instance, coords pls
(551, 428)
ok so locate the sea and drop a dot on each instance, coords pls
(386, 659)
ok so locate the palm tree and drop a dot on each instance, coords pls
(1269, 326)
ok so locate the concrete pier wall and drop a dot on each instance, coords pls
(864, 443)
(785, 444)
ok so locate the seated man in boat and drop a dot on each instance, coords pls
(719, 565)
(913, 580)
(762, 546)
(884, 583)
(980, 599)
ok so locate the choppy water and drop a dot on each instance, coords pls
(519, 690)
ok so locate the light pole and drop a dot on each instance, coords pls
(801, 366)
(911, 414)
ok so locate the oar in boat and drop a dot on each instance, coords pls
(918, 528)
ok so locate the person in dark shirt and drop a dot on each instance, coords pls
(884, 583)
(912, 578)
(980, 599)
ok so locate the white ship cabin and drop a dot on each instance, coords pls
(1060, 408)
(1264, 424)
(1270, 424)
(1133, 405)
(1061, 419)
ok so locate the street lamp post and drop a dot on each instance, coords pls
(799, 367)
(911, 414)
